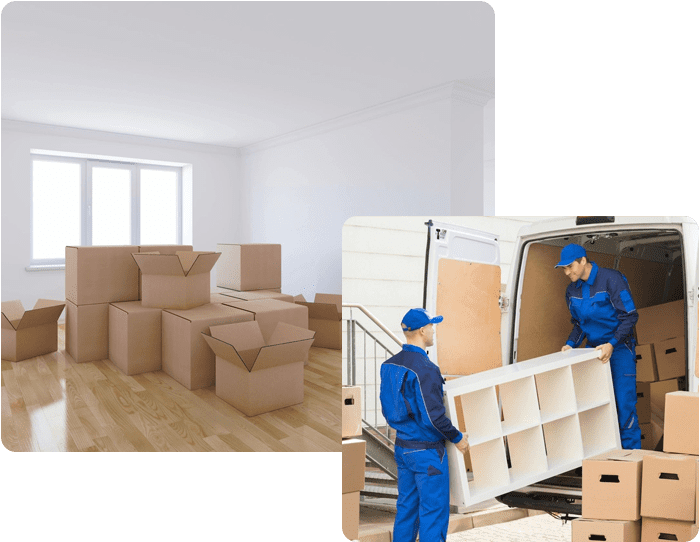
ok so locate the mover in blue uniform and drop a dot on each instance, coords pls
(412, 403)
(603, 312)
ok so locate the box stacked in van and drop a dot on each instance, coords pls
(353, 459)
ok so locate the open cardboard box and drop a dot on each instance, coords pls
(255, 375)
(252, 266)
(30, 333)
(325, 315)
(175, 281)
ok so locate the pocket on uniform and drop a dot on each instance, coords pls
(432, 471)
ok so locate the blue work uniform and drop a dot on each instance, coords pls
(602, 311)
(411, 395)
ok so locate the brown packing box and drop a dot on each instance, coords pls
(325, 315)
(353, 465)
(646, 363)
(661, 322)
(583, 530)
(254, 296)
(351, 411)
(611, 485)
(220, 299)
(670, 357)
(649, 441)
(185, 354)
(644, 402)
(175, 281)
(162, 249)
(249, 267)
(351, 515)
(87, 331)
(31, 333)
(134, 337)
(681, 423)
(101, 274)
(669, 485)
(654, 529)
(658, 391)
(255, 375)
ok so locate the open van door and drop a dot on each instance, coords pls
(463, 284)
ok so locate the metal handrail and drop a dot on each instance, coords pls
(375, 320)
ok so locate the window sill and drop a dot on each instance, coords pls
(54, 267)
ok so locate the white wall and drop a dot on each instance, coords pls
(216, 193)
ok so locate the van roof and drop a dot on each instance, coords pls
(568, 224)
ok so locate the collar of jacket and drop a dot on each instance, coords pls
(413, 348)
(591, 277)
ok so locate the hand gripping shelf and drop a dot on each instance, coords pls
(555, 411)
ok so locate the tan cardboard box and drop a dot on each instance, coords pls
(325, 318)
(219, 299)
(654, 529)
(353, 465)
(669, 485)
(670, 357)
(255, 375)
(134, 337)
(681, 423)
(644, 402)
(185, 354)
(87, 331)
(254, 296)
(351, 515)
(583, 530)
(661, 322)
(30, 333)
(101, 274)
(646, 363)
(658, 391)
(351, 411)
(648, 441)
(611, 485)
(249, 267)
(175, 281)
(162, 249)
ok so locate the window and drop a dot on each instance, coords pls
(81, 201)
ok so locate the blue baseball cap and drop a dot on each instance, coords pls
(418, 318)
(570, 253)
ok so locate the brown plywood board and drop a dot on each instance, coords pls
(646, 280)
(469, 338)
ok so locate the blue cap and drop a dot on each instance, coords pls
(570, 253)
(418, 318)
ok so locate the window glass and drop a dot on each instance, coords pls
(159, 222)
(111, 206)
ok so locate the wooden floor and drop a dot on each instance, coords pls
(51, 403)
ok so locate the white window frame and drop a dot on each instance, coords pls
(86, 165)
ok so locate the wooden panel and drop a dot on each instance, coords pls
(469, 339)
(646, 279)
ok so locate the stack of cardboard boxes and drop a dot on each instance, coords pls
(353, 459)
(660, 365)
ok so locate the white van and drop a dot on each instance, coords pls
(659, 257)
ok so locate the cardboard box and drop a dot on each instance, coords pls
(681, 423)
(658, 391)
(351, 515)
(185, 354)
(661, 322)
(351, 411)
(255, 375)
(101, 274)
(134, 337)
(611, 485)
(644, 402)
(583, 530)
(654, 529)
(670, 357)
(249, 267)
(669, 485)
(175, 281)
(649, 441)
(87, 331)
(162, 249)
(325, 318)
(646, 363)
(353, 465)
(30, 333)
(254, 296)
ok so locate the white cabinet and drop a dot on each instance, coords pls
(546, 415)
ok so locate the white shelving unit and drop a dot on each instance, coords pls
(554, 412)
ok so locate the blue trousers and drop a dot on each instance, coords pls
(423, 505)
(624, 375)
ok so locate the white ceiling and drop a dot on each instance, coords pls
(231, 73)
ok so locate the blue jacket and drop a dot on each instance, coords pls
(601, 309)
(411, 396)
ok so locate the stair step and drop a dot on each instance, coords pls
(379, 478)
(372, 490)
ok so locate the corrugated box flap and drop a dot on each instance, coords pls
(158, 264)
(244, 359)
(203, 262)
(12, 312)
(299, 298)
(322, 311)
(335, 299)
(47, 314)
(275, 355)
(285, 333)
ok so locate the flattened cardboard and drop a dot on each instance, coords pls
(655, 530)
(134, 337)
(101, 274)
(584, 530)
(661, 322)
(644, 402)
(681, 423)
(669, 485)
(353, 465)
(87, 331)
(325, 315)
(246, 267)
(185, 354)
(646, 363)
(351, 515)
(351, 397)
(31, 333)
(670, 357)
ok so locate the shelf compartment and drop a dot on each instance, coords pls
(555, 391)
(562, 440)
(519, 403)
(482, 419)
(590, 406)
(590, 382)
(489, 466)
(598, 430)
(527, 453)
